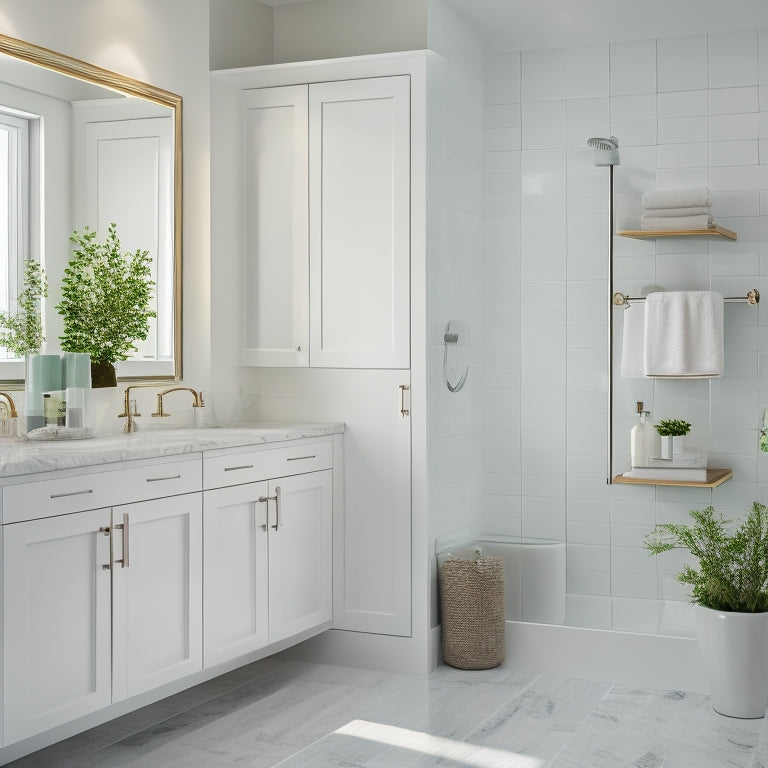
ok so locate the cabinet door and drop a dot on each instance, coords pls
(157, 593)
(372, 543)
(56, 621)
(300, 553)
(359, 154)
(235, 571)
(275, 216)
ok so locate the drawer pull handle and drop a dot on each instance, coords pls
(242, 466)
(71, 493)
(160, 479)
(301, 458)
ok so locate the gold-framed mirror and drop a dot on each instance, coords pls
(103, 148)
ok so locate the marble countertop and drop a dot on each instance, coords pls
(24, 457)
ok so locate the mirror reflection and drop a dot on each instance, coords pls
(81, 146)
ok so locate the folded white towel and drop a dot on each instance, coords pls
(666, 223)
(677, 198)
(633, 342)
(696, 210)
(684, 334)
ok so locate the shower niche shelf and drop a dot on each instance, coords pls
(715, 477)
(716, 231)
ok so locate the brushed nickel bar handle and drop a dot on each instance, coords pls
(277, 508)
(160, 479)
(242, 466)
(71, 493)
(403, 410)
(125, 528)
(301, 458)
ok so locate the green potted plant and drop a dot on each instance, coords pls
(672, 432)
(105, 302)
(729, 587)
(22, 333)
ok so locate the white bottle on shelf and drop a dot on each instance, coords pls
(652, 441)
(638, 450)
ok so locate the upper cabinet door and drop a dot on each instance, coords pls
(275, 215)
(359, 177)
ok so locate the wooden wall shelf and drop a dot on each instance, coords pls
(716, 231)
(715, 477)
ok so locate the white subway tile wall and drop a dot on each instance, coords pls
(687, 111)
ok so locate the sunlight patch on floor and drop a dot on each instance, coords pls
(458, 751)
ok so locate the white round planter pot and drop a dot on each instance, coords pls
(735, 651)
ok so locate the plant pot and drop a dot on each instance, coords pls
(103, 374)
(671, 445)
(734, 647)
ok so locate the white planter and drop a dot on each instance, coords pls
(671, 445)
(734, 647)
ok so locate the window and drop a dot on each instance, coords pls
(14, 208)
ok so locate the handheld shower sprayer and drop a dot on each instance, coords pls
(606, 151)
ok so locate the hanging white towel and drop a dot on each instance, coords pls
(677, 198)
(633, 342)
(684, 334)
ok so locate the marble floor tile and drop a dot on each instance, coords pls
(296, 714)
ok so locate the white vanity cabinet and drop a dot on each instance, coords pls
(124, 583)
(268, 549)
(98, 604)
(326, 206)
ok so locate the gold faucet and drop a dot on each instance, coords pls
(11, 405)
(130, 424)
(197, 396)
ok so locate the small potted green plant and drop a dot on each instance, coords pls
(22, 332)
(670, 429)
(105, 302)
(729, 587)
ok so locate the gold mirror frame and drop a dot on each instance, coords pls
(82, 70)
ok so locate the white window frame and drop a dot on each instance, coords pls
(17, 215)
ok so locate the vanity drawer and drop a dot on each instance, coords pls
(63, 495)
(220, 471)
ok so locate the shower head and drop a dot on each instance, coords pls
(606, 151)
(604, 144)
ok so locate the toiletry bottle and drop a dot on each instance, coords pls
(637, 439)
(652, 441)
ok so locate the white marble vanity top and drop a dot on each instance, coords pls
(28, 457)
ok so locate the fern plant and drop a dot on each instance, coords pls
(105, 298)
(732, 573)
(23, 333)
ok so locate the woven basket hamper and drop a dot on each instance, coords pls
(472, 609)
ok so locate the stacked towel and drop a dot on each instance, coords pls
(677, 209)
(684, 334)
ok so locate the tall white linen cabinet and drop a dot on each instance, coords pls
(319, 282)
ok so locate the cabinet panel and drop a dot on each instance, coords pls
(359, 154)
(157, 598)
(247, 466)
(276, 283)
(235, 597)
(300, 559)
(63, 495)
(56, 622)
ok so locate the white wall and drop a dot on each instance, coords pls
(334, 28)
(242, 34)
(687, 111)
